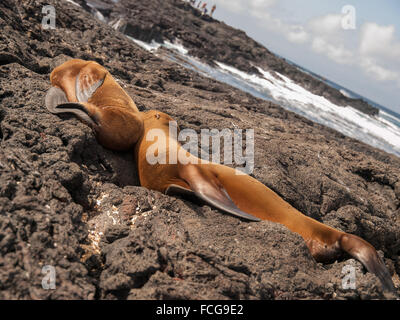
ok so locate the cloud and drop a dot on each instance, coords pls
(379, 40)
(259, 8)
(336, 52)
(372, 67)
(379, 52)
(326, 25)
(373, 48)
(376, 53)
(256, 8)
(330, 39)
(297, 34)
(293, 33)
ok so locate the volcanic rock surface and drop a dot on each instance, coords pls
(67, 202)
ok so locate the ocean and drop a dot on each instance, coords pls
(381, 131)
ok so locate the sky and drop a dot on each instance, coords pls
(353, 43)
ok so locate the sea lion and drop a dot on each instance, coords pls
(88, 90)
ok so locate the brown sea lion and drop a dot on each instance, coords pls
(97, 99)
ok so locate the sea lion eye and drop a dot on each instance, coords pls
(157, 116)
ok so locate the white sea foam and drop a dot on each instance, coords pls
(153, 46)
(372, 130)
(389, 119)
(148, 46)
(97, 14)
(115, 24)
(379, 131)
(176, 46)
(73, 2)
(346, 94)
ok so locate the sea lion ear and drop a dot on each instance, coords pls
(208, 188)
(89, 79)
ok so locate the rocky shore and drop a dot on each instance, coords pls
(67, 202)
(211, 40)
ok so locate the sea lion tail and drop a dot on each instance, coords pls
(56, 102)
(367, 255)
(208, 188)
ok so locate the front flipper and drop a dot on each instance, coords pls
(208, 188)
(56, 102)
(175, 189)
(54, 97)
(116, 128)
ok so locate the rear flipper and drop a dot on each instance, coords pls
(116, 128)
(367, 255)
(205, 185)
(358, 248)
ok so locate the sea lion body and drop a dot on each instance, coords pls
(240, 194)
(248, 194)
(157, 176)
